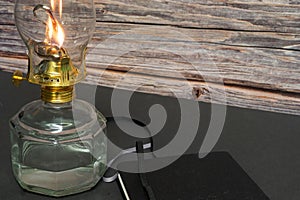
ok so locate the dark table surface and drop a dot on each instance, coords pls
(265, 144)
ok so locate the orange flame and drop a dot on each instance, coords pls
(54, 31)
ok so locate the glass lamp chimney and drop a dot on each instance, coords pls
(56, 33)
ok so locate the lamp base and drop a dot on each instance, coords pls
(58, 149)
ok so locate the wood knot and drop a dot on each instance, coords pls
(198, 92)
(102, 11)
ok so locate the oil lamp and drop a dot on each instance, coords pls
(58, 143)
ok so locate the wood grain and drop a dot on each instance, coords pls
(194, 90)
(253, 15)
(193, 54)
(250, 46)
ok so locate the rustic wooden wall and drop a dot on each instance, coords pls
(187, 47)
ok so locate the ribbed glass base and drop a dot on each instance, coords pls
(57, 183)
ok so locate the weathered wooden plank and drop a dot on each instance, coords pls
(191, 53)
(252, 15)
(195, 90)
(170, 51)
(199, 91)
(216, 14)
(286, 41)
(234, 65)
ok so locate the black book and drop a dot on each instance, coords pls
(216, 177)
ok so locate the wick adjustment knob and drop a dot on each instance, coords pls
(17, 78)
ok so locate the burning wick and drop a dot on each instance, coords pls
(54, 31)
